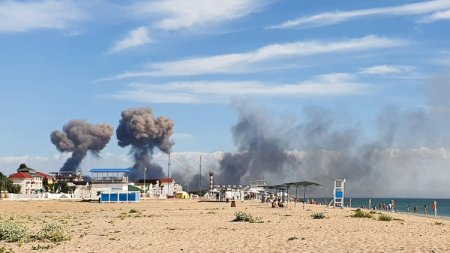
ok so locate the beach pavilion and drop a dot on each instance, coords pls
(304, 184)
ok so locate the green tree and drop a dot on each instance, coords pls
(7, 185)
(45, 184)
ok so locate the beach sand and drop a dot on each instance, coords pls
(193, 226)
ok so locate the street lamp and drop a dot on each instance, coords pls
(145, 172)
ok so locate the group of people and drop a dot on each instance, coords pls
(425, 208)
(277, 202)
(392, 207)
(387, 207)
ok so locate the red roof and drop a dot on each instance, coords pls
(20, 175)
(43, 174)
(166, 180)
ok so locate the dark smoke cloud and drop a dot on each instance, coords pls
(139, 129)
(260, 149)
(324, 146)
(79, 137)
(267, 151)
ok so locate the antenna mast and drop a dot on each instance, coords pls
(200, 175)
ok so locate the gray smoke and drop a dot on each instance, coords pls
(139, 129)
(191, 182)
(324, 145)
(79, 137)
(261, 150)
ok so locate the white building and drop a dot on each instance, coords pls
(159, 187)
(30, 180)
(108, 180)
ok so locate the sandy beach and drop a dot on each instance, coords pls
(193, 226)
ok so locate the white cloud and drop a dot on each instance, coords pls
(329, 18)
(17, 16)
(338, 84)
(182, 14)
(386, 70)
(250, 61)
(134, 38)
(53, 163)
(440, 15)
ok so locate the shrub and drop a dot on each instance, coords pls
(438, 223)
(361, 214)
(292, 238)
(39, 247)
(318, 216)
(134, 211)
(384, 217)
(54, 232)
(11, 231)
(3, 249)
(243, 216)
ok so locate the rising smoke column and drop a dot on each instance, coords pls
(79, 137)
(261, 148)
(139, 129)
(317, 148)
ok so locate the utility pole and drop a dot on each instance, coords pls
(145, 172)
(168, 175)
(200, 176)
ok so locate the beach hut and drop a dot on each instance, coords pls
(182, 195)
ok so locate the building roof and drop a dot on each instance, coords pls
(303, 184)
(166, 180)
(111, 170)
(42, 174)
(20, 175)
(153, 181)
(134, 188)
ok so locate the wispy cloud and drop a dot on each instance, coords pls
(18, 16)
(134, 38)
(251, 61)
(386, 70)
(181, 14)
(338, 84)
(440, 15)
(330, 18)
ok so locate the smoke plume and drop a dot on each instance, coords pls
(261, 150)
(323, 145)
(139, 129)
(79, 137)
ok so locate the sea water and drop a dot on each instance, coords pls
(443, 205)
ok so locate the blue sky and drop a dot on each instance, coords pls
(62, 60)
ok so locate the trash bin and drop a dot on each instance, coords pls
(233, 203)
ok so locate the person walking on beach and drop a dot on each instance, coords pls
(434, 208)
(415, 209)
(407, 209)
(425, 209)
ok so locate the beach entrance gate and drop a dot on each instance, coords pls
(338, 193)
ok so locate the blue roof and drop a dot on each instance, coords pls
(112, 170)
